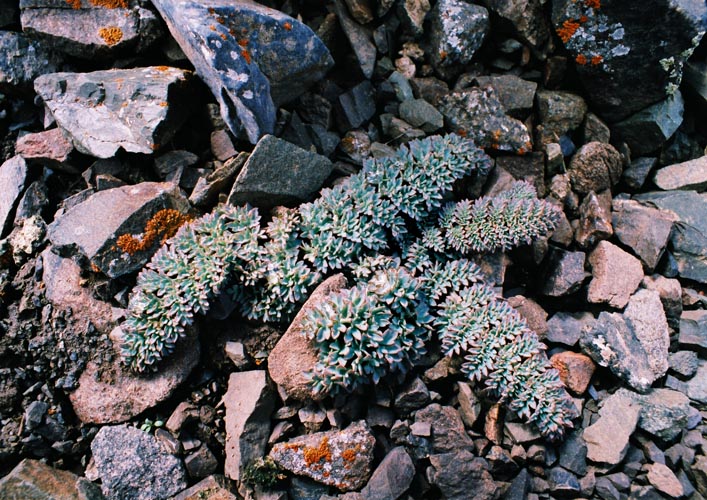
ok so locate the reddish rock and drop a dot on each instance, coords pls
(532, 312)
(50, 146)
(615, 275)
(664, 480)
(575, 369)
(32, 479)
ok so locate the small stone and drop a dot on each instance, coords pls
(34, 414)
(575, 369)
(636, 174)
(688, 175)
(664, 412)
(222, 146)
(412, 15)
(527, 18)
(522, 433)
(211, 488)
(183, 413)
(595, 167)
(392, 477)
(458, 473)
(457, 30)
(615, 275)
(566, 328)
(515, 94)
(50, 147)
(430, 89)
(356, 106)
(31, 479)
(340, 458)
(312, 417)
(684, 363)
(573, 454)
(563, 482)
(469, 406)
(412, 396)
(594, 220)
(645, 230)
(607, 439)
(448, 432)
(664, 480)
(423, 429)
(236, 353)
(697, 386)
(421, 114)
(360, 10)
(207, 188)
(595, 130)
(560, 112)
(565, 273)
(201, 463)
(670, 292)
(532, 312)
(132, 464)
(530, 167)
(693, 330)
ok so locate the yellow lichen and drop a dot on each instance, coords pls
(164, 224)
(111, 35)
(321, 453)
(75, 4)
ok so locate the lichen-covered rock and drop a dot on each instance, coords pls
(622, 69)
(560, 112)
(340, 458)
(24, 59)
(664, 412)
(253, 58)
(137, 109)
(457, 30)
(91, 29)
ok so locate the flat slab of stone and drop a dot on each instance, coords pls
(13, 178)
(138, 109)
(615, 275)
(50, 147)
(693, 330)
(23, 60)
(94, 226)
(688, 175)
(648, 129)
(32, 479)
(645, 230)
(253, 58)
(697, 385)
(277, 172)
(607, 439)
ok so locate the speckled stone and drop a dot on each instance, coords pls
(457, 30)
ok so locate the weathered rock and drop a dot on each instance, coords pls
(412, 15)
(645, 230)
(689, 238)
(478, 114)
(645, 316)
(123, 210)
(360, 10)
(448, 433)
(622, 69)
(562, 482)
(573, 453)
(360, 39)
(278, 172)
(132, 464)
(109, 393)
(419, 113)
(595, 167)
(615, 275)
(566, 328)
(457, 474)
(24, 59)
(91, 29)
(594, 220)
(522, 433)
(457, 30)
(688, 175)
(50, 147)
(664, 412)
(527, 17)
(249, 402)
(340, 458)
(201, 463)
(515, 94)
(392, 477)
(469, 406)
(595, 130)
(529, 167)
(412, 396)
(294, 355)
(356, 106)
(532, 312)
(684, 363)
(211, 488)
(697, 385)
(693, 330)
(607, 439)
(636, 174)
(138, 109)
(13, 179)
(253, 58)
(575, 369)
(565, 273)
(664, 480)
(207, 188)
(560, 112)
(33, 480)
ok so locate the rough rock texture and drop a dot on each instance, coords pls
(132, 464)
(645, 230)
(607, 439)
(478, 114)
(688, 175)
(254, 59)
(138, 109)
(448, 432)
(560, 112)
(360, 39)
(211, 488)
(458, 473)
(515, 94)
(122, 210)
(89, 29)
(392, 477)
(565, 273)
(665, 480)
(575, 370)
(594, 220)
(622, 69)
(278, 172)
(457, 30)
(566, 328)
(340, 458)
(249, 402)
(689, 237)
(664, 412)
(13, 178)
(645, 131)
(595, 167)
(615, 275)
(645, 316)
(23, 60)
(294, 355)
(693, 330)
(697, 385)
(50, 147)
(33, 480)
(527, 18)
(109, 393)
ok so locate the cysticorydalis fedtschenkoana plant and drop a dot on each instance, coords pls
(392, 229)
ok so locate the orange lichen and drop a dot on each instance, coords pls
(164, 104)
(321, 453)
(596, 60)
(212, 27)
(442, 55)
(593, 4)
(583, 19)
(111, 35)
(220, 20)
(581, 59)
(246, 56)
(212, 10)
(110, 4)
(243, 42)
(162, 68)
(567, 30)
(287, 25)
(75, 4)
(163, 225)
(349, 455)
(223, 36)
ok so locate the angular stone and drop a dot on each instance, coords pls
(448, 432)
(459, 473)
(392, 477)
(515, 94)
(566, 328)
(637, 172)
(615, 275)
(522, 433)
(249, 402)
(91, 29)
(419, 113)
(687, 244)
(50, 147)
(211, 488)
(122, 210)
(478, 114)
(360, 10)
(560, 112)
(253, 58)
(643, 229)
(137, 109)
(24, 59)
(340, 458)
(207, 188)
(664, 412)
(595, 130)
(109, 393)
(573, 453)
(688, 175)
(469, 406)
(697, 385)
(563, 482)
(356, 106)
(278, 172)
(565, 273)
(457, 30)
(693, 330)
(33, 480)
(132, 464)
(664, 480)
(622, 69)
(594, 220)
(294, 355)
(412, 396)
(684, 363)
(647, 130)
(527, 17)
(529, 167)
(201, 463)
(360, 39)
(645, 315)
(412, 15)
(13, 179)
(595, 167)
(670, 293)
(575, 369)
(532, 312)
(607, 439)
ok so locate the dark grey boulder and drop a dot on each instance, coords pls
(457, 30)
(278, 172)
(622, 69)
(458, 473)
(13, 178)
(138, 109)
(94, 226)
(132, 464)
(253, 58)
(91, 29)
(24, 59)
(392, 477)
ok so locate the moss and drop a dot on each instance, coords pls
(163, 225)
(263, 472)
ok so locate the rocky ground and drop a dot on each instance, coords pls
(115, 111)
